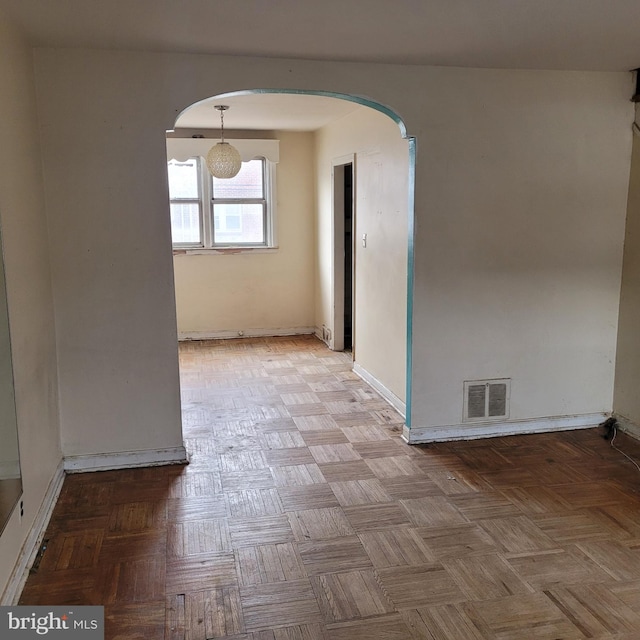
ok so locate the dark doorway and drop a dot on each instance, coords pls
(348, 257)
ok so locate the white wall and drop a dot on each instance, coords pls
(381, 189)
(521, 181)
(29, 288)
(105, 182)
(521, 192)
(259, 292)
(627, 384)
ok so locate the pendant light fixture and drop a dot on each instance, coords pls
(223, 159)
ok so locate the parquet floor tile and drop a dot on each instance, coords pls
(345, 471)
(377, 448)
(432, 512)
(194, 537)
(316, 496)
(269, 563)
(393, 466)
(338, 554)
(517, 617)
(595, 610)
(618, 560)
(371, 517)
(324, 437)
(485, 505)
(396, 547)
(266, 606)
(483, 577)
(350, 595)
(517, 535)
(319, 524)
(441, 623)
(420, 585)
(545, 569)
(304, 516)
(253, 531)
(134, 621)
(458, 541)
(355, 492)
(189, 572)
(462, 481)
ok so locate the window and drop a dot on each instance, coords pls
(185, 196)
(213, 213)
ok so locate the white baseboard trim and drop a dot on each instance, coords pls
(33, 541)
(125, 460)
(628, 426)
(387, 394)
(245, 333)
(420, 435)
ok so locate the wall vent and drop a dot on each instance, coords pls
(486, 400)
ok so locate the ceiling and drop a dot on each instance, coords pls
(599, 35)
(266, 111)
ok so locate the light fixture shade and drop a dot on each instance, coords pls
(223, 160)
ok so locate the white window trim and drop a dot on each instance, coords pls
(267, 150)
(199, 201)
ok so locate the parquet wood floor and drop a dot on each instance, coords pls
(303, 516)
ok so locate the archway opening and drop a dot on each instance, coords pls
(296, 278)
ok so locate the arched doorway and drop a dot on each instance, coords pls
(351, 136)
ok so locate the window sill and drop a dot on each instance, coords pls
(200, 251)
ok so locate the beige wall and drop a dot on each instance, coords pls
(521, 182)
(259, 292)
(627, 382)
(381, 189)
(29, 288)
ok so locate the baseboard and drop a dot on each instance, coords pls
(245, 333)
(125, 460)
(628, 426)
(33, 541)
(420, 435)
(387, 394)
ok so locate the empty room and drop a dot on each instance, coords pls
(319, 320)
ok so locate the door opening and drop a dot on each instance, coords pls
(343, 338)
(348, 257)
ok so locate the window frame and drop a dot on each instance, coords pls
(206, 204)
(264, 202)
(197, 200)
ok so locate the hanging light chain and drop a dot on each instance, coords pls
(221, 108)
